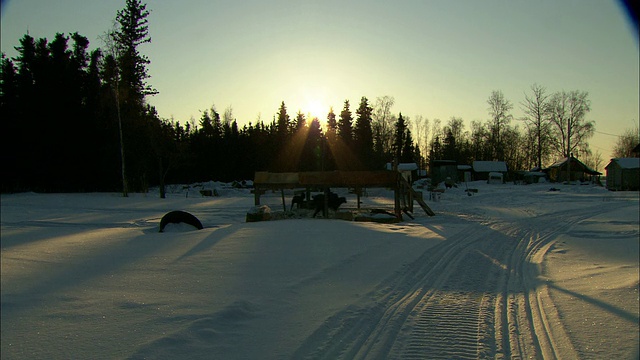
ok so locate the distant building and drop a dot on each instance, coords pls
(623, 174)
(408, 170)
(482, 169)
(443, 169)
(464, 172)
(578, 171)
(533, 177)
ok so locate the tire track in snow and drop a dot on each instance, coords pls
(475, 295)
(372, 330)
(455, 320)
(524, 310)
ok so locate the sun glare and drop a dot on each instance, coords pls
(315, 108)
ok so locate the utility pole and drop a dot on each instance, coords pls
(569, 155)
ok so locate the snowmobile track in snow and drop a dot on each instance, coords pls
(476, 295)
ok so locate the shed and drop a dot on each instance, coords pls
(443, 169)
(495, 178)
(464, 172)
(481, 169)
(623, 174)
(578, 170)
(531, 177)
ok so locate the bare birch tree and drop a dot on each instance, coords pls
(500, 112)
(384, 122)
(227, 117)
(421, 131)
(570, 129)
(537, 120)
(114, 53)
(626, 143)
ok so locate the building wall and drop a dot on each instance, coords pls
(614, 177)
(622, 179)
(630, 179)
(560, 175)
(440, 173)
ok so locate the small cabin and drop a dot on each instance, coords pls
(570, 169)
(483, 169)
(443, 169)
(623, 174)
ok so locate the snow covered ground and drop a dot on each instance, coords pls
(512, 271)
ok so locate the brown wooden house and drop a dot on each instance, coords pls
(577, 171)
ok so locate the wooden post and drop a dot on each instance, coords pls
(410, 199)
(256, 195)
(325, 208)
(284, 205)
(397, 192)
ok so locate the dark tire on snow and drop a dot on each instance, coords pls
(178, 216)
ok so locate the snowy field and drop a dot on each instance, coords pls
(514, 271)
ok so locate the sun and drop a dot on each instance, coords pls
(315, 108)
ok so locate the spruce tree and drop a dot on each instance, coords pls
(283, 124)
(408, 150)
(131, 76)
(363, 134)
(332, 125)
(345, 127)
(311, 159)
(330, 141)
(10, 130)
(399, 141)
(133, 31)
(301, 121)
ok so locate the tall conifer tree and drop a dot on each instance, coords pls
(363, 134)
(345, 126)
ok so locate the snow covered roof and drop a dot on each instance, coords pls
(489, 166)
(558, 163)
(404, 166)
(564, 160)
(627, 163)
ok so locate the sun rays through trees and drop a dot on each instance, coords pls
(72, 117)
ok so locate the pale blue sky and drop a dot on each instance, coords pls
(437, 58)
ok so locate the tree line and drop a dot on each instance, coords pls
(554, 126)
(78, 120)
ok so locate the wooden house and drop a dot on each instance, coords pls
(623, 174)
(577, 171)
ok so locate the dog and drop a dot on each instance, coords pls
(299, 200)
(334, 202)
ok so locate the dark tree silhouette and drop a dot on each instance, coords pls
(363, 135)
(399, 138)
(345, 126)
(500, 112)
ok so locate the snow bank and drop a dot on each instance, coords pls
(80, 270)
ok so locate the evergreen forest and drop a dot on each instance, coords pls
(77, 120)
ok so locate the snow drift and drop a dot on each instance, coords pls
(509, 271)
